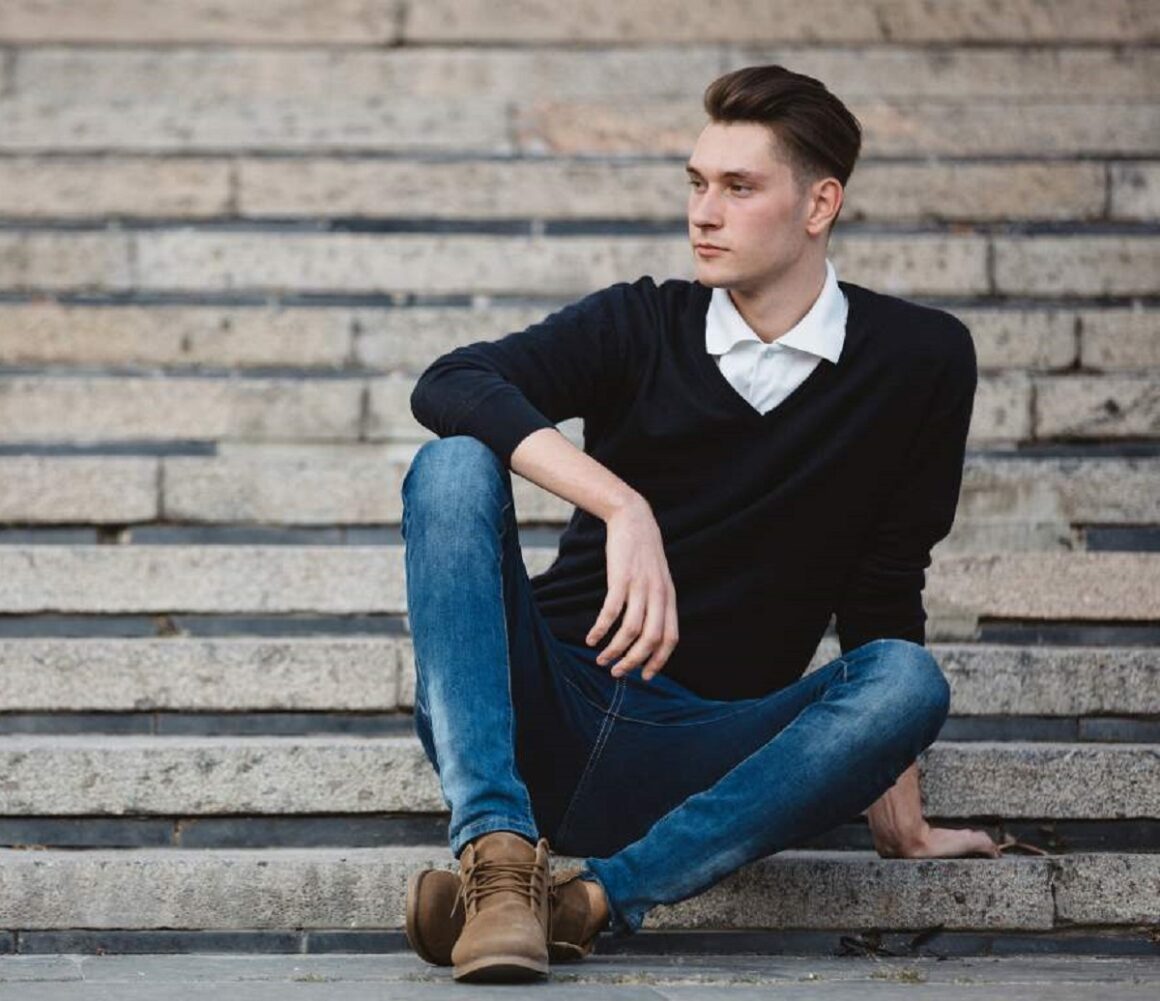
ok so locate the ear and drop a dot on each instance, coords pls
(823, 201)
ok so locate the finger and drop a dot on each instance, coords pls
(669, 641)
(651, 633)
(609, 612)
(629, 628)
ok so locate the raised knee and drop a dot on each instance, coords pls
(446, 468)
(916, 671)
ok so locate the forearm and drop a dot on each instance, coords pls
(895, 819)
(551, 461)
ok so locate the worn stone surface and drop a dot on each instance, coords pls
(63, 260)
(65, 774)
(1081, 585)
(234, 674)
(1022, 338)
(78, 488)
(890, 128)
(1097, 406)
(291, 22)
(32, 187)
(1120, 339)
(364, 888)
(1077, 265)
(1108, 889)
(751, 21)
(1135, 191)
(338, 579)
(65, 408)
(52, 333)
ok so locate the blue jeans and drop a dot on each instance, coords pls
(662, 792)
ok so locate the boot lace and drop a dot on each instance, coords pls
(487, 877)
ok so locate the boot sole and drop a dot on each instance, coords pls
(500, 969)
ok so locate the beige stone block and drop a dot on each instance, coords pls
(66, 774)
(913, 264)
(40, 489)
(754, 21)
(955, 73)
(141, 122)
(1135, 191)
(840, 889)
(39, 187)
(991, 679)
(1002, 409)
(1120, 339)
(1097, 406)
(890, 128)
(409, 338)
(1082, 585)
(476, 189)
(973, 191)
(1022, 338)
(63, 408)
(49, 333)
(402, 262)
(1040, 779)
(1108, 889)
(1077, 265)
(1073, 490)
(272, 22)
(63, 260)
(234, 674)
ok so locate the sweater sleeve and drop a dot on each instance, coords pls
(883, 596)
(571, 364)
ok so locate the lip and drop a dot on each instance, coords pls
(708, 249)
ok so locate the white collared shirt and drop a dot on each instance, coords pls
(765, 374)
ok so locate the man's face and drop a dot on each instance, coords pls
(743, 198)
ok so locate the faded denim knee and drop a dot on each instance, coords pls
(454, 480)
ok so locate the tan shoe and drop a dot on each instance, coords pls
(504, 888)
(435, 916)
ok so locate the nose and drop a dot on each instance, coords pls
(704, 209)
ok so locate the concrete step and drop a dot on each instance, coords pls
(1058, 338)
(246, 187)
(266, 261)
(377, 674)
(365, 888)
(362, 23)
(1006, 502)
(69, 775)
(1009, 408)
(1089, 586)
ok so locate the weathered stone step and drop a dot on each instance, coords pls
(99, 774)
(361, 484)
(254, 188)
(376, 22)
(408, 339)
(1009, 408)
(366, 887)
(216, 77)
(1088, 586)
(890, 128)
(377, 674)
(189, 260)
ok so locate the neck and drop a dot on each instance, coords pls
(774, 309)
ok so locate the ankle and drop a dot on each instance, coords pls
(596, 900)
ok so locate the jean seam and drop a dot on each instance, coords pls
(606, 726)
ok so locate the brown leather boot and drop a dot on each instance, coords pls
(504, 888)
(435, 916)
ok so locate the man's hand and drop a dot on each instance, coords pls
(943, 842)
(638, 573)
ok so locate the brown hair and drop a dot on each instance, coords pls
(814, 131)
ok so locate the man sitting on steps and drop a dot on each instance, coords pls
(764, 447)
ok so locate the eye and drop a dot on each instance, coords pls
(741, 187)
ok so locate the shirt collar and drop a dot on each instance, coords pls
(822, 331)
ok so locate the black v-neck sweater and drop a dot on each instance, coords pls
(828, 503)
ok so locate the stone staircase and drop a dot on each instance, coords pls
(231, 238)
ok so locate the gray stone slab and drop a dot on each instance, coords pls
(1100, 406)
(1109, 889)
(365, 887)
(78, 488)
(1077, 265)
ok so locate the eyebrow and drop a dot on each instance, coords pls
(745, 175)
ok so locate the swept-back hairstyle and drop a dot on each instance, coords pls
(813, 130)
